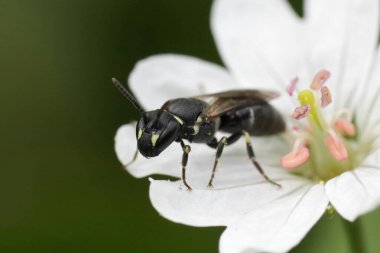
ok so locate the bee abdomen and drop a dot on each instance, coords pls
(260, 119)
(267, 121)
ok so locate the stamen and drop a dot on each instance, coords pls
(296, 129)
(336, 146)
(295, 158)
(306, 97)
(319, 79)
(321, 150)
(299, 155)
(301, 112)
(326, 97)
(344, 114)
(293, 84)
(299, 143)
(345, 127)
(343, 123)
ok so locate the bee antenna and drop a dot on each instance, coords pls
(128, 95)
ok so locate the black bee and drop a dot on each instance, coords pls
(237, 112)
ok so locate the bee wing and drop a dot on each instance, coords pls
(253, 94)
(235, 99)
(223, 105)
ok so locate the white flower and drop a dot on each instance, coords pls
(264, 44)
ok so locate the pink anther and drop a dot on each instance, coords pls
(319, 79)
(295, 158)
(345, 127)
(326, 97)
(292, 86)
(309, 128)
(296, 128)
(301, 112)
(336, 147)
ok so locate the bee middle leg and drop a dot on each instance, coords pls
(185, 157)
(219, 145)
(252, 156)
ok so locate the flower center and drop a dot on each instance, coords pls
(322, 149)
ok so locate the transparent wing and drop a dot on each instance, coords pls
(233, 100)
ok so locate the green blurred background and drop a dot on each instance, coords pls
(61, 186)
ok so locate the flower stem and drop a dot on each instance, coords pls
(355, 235)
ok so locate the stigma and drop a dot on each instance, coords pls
(321, 147)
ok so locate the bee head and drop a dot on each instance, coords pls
(155, 131)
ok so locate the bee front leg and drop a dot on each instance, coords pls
(219, 150)
(186, 150)
(252, 156)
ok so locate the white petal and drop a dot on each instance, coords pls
(355, 193)
(158, 78)
(260, 41)
(366, 112)
(343, 38)
(229, 200)
(277, 226)
(373, 158)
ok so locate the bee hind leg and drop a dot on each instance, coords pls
(252, 156)
(219, 145)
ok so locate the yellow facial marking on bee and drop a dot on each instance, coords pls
(178, 119)
(199, 120)
(196, 129)
(139, 134)
(154, 139)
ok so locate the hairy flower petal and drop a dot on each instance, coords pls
(159, 78)
(277, 226)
